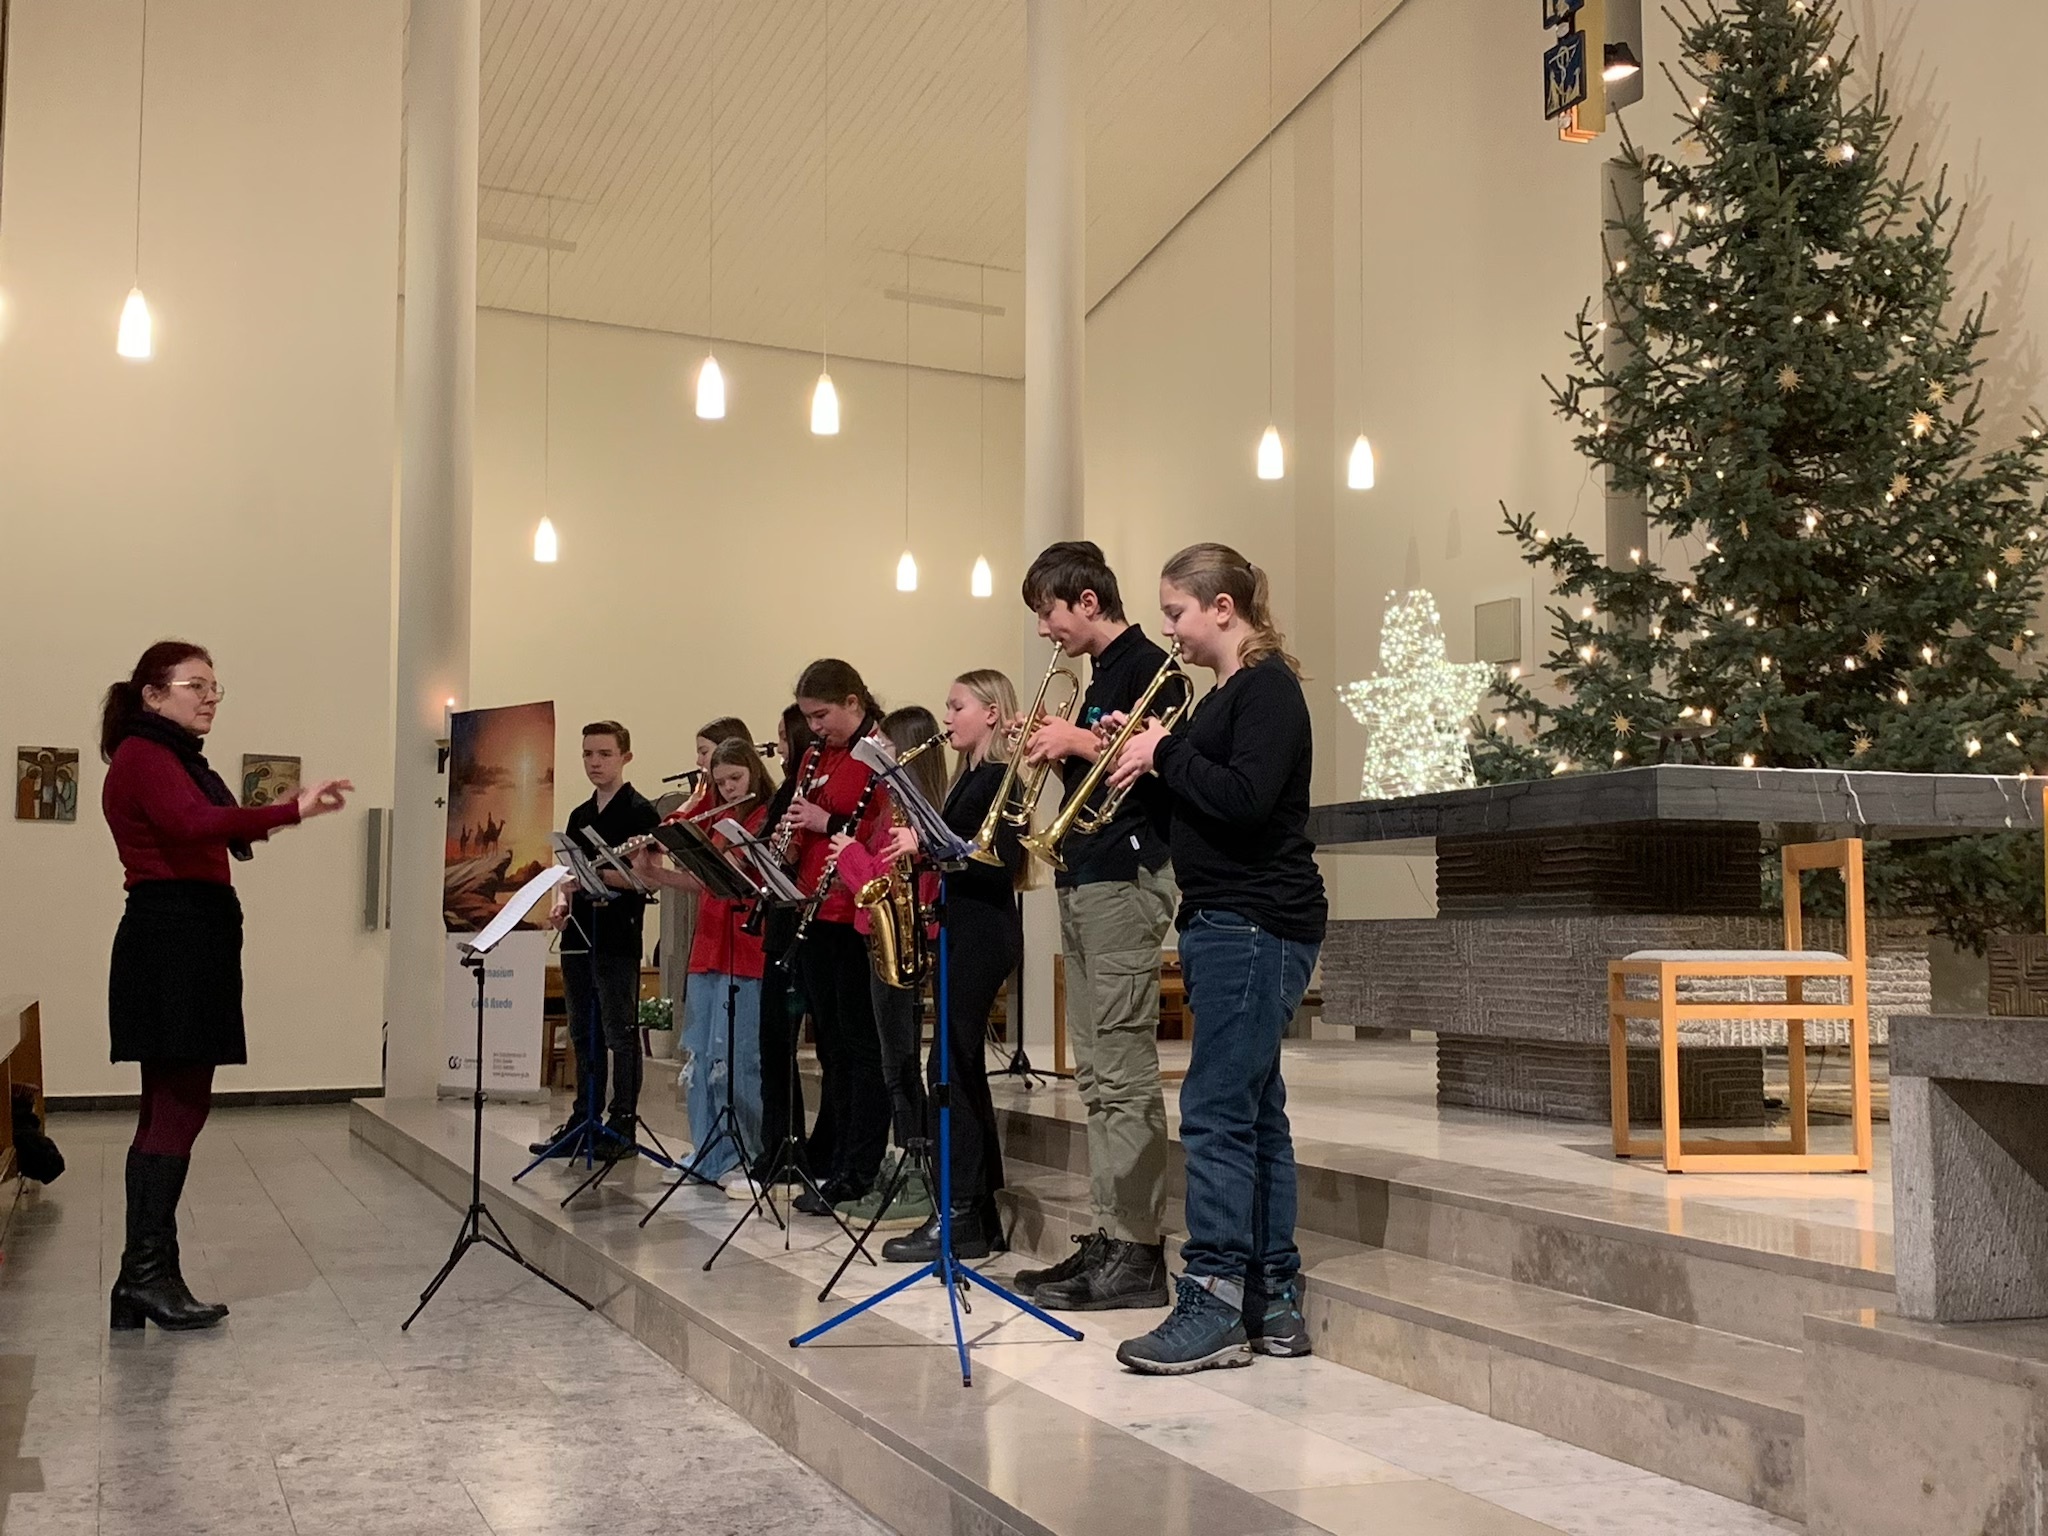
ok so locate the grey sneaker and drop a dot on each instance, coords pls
(1273, 1322)
(1204, 1331)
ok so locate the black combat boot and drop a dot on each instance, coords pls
(1124, 1276)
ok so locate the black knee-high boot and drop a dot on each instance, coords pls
(150, 1287)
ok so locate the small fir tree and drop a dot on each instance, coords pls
(1840, 572)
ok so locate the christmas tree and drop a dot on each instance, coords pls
(1840, 571)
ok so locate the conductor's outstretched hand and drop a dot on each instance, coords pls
(327, 795)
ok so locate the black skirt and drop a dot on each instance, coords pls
(174, 992)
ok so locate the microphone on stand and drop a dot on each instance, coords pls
(687, 776)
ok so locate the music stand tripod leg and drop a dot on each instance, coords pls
(915, 1162)
(945, 1267)
(471, 1232)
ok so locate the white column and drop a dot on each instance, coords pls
(1055, 372)
(433, 513)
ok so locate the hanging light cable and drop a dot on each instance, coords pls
(906, 568)
(134, 339)
(546, 549)
(1272, 457)
(710, 380)
(982, 583)
(824, 398)
(1361, 472)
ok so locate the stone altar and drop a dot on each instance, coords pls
(1970, 1167)
(1540, 883)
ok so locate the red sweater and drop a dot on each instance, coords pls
(165, 828)
(722, 947)
(845, 776)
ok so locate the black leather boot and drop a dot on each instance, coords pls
(970, 1239)
(150, 1288)
(182, 1166)
(1124, 1275)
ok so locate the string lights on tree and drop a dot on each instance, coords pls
(1843, 568)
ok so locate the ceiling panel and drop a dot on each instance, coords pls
(669, 157)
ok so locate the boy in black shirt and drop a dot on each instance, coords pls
(1117, 897)
(601, 942)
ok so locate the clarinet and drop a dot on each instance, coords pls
(783, 838)
(860, 808)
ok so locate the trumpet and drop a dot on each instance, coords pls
(1075, 815)
(1019, 813)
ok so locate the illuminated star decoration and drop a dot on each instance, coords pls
(1416, 712)
(1900, 485)
(1788, 380)
(1921, 423)
(2012, 554)
(1937, 393)
(1874, 643)
(1861, 744)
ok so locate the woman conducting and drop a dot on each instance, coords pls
(174, 991)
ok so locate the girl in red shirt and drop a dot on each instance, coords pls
(174, 989)
(725, 966)
(832, 960)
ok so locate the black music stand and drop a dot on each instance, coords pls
(1019, 1063)
(688, 846)
(472, 1232)
(945, 849)
(770, 887)
(587, 1136)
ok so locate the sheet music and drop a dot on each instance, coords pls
(774, 879)
(521, 902)
(940, 842)
(605, 855)
(587, 877)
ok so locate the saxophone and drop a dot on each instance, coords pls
(896, 938)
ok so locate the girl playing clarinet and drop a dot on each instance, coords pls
(831, 958)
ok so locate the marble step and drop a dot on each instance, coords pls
(1752, 1273)
(1713, 1409)
(1719, 1410)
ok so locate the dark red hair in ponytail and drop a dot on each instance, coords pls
(123, 704)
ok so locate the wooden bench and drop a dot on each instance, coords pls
(21, 1065)
(557, 1056)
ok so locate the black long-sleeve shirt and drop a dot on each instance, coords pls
(1136, 839)
(1238, 774)
(967, 803)
(614, 927)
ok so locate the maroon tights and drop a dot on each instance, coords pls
(175, 1098)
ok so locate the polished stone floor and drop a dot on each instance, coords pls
(506, 1409)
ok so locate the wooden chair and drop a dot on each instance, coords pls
(1794, 966)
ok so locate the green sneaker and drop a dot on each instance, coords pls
(911, 1208)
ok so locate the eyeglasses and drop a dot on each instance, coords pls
(202, 687)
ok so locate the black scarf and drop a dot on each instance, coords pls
(151, 726)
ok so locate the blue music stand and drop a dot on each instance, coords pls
(949, 1271)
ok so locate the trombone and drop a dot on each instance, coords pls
(1075, 816)
(1015, 804)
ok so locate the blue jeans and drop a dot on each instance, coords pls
(1243, 986)
(704, 1036)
